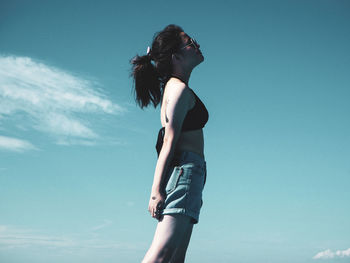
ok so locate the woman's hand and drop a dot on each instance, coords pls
(156, 203)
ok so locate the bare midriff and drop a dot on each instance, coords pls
(192, 141)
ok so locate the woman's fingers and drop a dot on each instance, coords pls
(157, 214)
(154, 208)
(159, 208)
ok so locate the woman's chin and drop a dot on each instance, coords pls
(202, 59)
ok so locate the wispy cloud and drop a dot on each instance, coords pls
(105, 223)
(13, 237)
(330, 254)
(54, 101)
(18, 238)
(13, 144)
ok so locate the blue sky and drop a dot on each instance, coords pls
(77, 155)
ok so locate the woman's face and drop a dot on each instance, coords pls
(190, 51)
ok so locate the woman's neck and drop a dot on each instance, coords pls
(183, 76)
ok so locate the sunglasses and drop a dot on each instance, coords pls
(193, 42)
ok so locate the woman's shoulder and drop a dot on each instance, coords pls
(174, 84)
(176, 89)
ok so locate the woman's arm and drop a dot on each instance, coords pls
(178, 103)
(177, 106)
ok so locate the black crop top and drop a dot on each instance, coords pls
(196, 118)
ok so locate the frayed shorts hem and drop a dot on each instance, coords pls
(194, 216)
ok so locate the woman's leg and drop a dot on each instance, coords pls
(180, 252)
(168, 236)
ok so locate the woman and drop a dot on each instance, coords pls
(180, 173)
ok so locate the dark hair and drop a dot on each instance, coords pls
(149, 78)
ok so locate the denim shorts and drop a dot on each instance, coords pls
(184, 183)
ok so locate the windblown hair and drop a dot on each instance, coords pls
(150, 79)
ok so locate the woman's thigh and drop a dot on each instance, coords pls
(180, 252)
(169, 234)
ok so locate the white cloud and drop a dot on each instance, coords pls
(343, 253)
(54, 101)
(14, 237)
(60, 124)
(105, 223)
(13, 144)
(330, 254)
